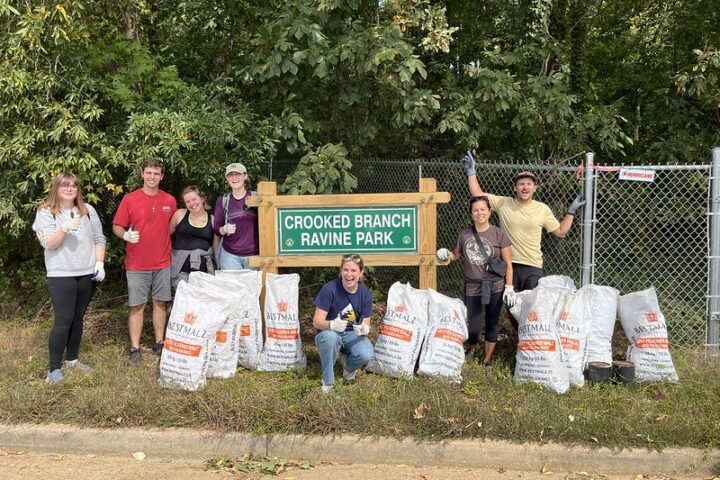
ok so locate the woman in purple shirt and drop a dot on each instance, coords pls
(235, 223)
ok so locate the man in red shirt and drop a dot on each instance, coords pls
(143, 221)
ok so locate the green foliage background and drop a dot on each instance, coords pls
(93, 87)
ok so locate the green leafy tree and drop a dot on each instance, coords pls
(81, 91)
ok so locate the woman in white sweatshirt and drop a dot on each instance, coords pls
(70, 232)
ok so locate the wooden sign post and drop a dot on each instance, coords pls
(387, 229)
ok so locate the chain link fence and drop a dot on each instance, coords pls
(646, 234)
(656, 234)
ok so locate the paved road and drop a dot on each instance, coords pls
(17, 465)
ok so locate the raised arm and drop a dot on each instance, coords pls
(566, 223)
(473, 183)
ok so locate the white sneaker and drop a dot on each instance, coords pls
(77, 364)
(54, 376)
(348, 377)
(326, 388)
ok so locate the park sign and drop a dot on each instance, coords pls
(388, 229)
(303, 231)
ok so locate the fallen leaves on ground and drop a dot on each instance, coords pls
(585, 476)
(5, 453)
(421, 410)
(264, 465)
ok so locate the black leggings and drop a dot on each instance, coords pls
(70, 297)
(478, 314)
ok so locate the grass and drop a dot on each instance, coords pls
(654, 415)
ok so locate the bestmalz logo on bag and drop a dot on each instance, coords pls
(282, 314)
(532, 326)
(651, 316)
(563, 316)
(190, 318)
(399, 312)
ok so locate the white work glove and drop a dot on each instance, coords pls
(361, 329)
(509, 296)
(577, 203)
(229, 228)
(443, 254)
(131, 236)
(469, 163)
(99, 271)
(71, 225)
(338, 325)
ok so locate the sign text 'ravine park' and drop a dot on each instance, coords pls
(347, 230)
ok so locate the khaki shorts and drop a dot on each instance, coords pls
(144, 282)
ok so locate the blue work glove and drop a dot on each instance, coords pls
(577, 203)
(469, 163)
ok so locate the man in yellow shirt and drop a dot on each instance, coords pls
(523, 219)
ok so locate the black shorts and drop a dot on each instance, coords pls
(526, 277)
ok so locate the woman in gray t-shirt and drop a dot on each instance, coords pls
(484, 290)
(70, 232)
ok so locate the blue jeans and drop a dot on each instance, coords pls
(357, 349)
(228, 261)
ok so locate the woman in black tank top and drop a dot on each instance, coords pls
(191, 230)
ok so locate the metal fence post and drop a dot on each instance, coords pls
(713, 319)
(588, 232)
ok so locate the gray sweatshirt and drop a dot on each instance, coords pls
(76, 254)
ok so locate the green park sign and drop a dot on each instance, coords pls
(305, 231)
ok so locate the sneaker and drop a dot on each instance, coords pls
(135, 356)
(77, 364)
(326, 388)
(157, 347)
(348, 377)
(55, 376)
(470, 356)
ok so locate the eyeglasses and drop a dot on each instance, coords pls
(479, 197)
(69, 187)
(352, 257)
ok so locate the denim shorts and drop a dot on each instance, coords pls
(229, 261)
(144, 282)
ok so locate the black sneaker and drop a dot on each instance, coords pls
(157, 348)
(135, 356)
(470, 355)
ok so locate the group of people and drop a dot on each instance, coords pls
(71, 234)
(489, 283)
(497, 262)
